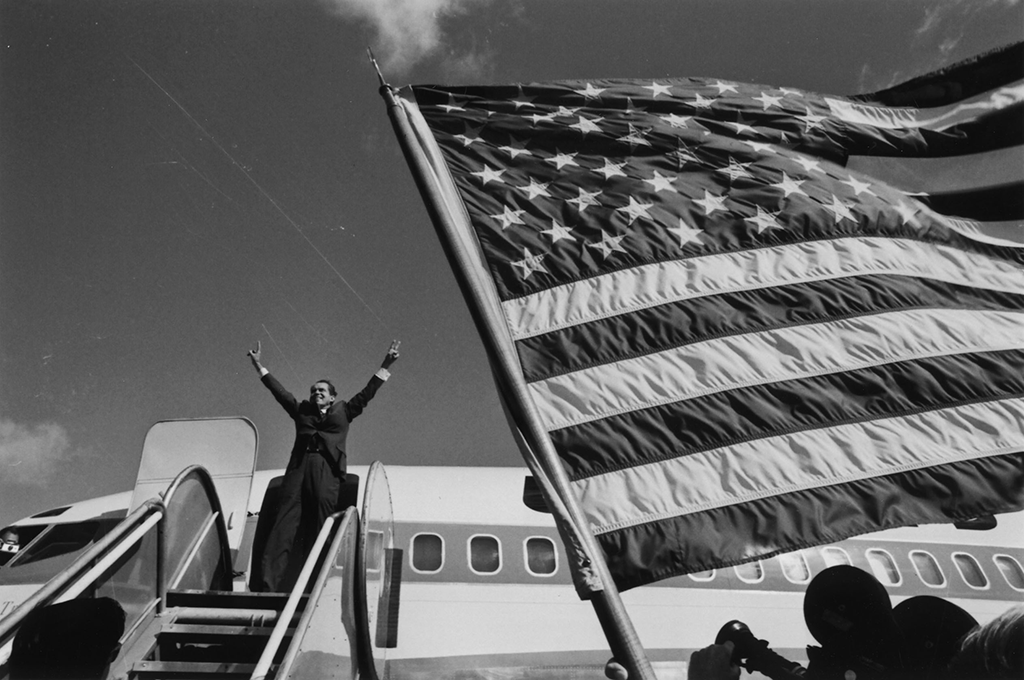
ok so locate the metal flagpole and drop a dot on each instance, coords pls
(600, 588)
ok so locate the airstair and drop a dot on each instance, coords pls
(170, 567)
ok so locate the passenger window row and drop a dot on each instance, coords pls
(483, 554)
(796, 569)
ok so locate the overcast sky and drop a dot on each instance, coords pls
(179, 179)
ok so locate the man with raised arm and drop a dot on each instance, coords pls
(316, 469)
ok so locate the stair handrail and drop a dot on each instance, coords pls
(206, 480)
(350, 514)
(67, 578)
(277, 635)
(94, 562)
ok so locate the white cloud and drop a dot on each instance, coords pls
(407, 30)
(31, 455)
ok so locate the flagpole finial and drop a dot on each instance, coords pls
(380, 76)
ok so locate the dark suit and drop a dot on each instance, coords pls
(312, 480)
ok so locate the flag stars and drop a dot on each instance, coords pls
(661, 182)
(811, 121)
(560, 160)
(675, 120)
(735, 170)
(808, 164)
(541, 118)
(724, 87)
(789, 186)
(584, 200)
(535, 189)
(451, 105)
(841, 211)
(469, 136)
(635, 210)
(711, 203)
(559, 232)
(742, 128)
(522, 100)
(508, 217)
(636, 137)
(608, 245)
(859, 187)
(686, 233)
(566, 112)
(515, 148)
(489, 174)
(611, 169)
(586, 125)
(631, 110)
(768, 101)
(529, 264)
(764, 220)
(702, 102)
(590, 92)
(657, 89)
(760, 147)
(907, 212)
(682, 156)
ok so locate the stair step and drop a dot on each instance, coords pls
(207, 633)
(160, 670)
(228, 599)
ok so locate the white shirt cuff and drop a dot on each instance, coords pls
(263, 371)
(383, 374)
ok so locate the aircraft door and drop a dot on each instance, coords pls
(381, 565)
(226, 447)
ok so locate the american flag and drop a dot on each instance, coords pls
(736, 342)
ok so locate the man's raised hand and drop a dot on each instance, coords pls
(392, 355)
(254, 354)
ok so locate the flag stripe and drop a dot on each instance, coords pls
(769, 356)
(744, 414)
(996, 130)
(646, 286)
(998, 203)
(1003, 233)
(966, 78)
(944, 174)
(800, 461)
(671, 325)
(936, 118)
(764, 527)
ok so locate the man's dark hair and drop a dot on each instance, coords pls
(330, 387)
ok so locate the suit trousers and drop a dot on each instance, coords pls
(309, 495)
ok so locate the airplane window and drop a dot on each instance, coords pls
(883, 566)
(750, 572)
(970, 570)
(835, 556)
(484, 554)
(927, 569)
(63, 539)
(541, 558)
(794, 567)
(427, 553)
(1011, 571)
(52, 512)
(702, 576)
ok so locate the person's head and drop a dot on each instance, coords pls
(994, 651)
(322, 393)
(9, 536)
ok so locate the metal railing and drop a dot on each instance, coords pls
(339, 567)
(290, 607)
(131, 562)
